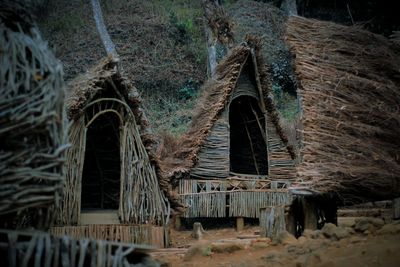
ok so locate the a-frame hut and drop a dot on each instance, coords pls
(112, 191)
(235, 154)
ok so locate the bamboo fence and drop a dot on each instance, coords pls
(42, 249)
(32, 122)
(349, 91)
(233, 198)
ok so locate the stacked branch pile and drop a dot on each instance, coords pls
(349, 83)
(32, 122)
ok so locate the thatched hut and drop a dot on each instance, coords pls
(234, 158)
(32, 123)
(33, 137)
(111, 190)
(349, 90)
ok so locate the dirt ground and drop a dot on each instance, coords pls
(363, 244)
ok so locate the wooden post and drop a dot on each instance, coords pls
(178, 223)
(198, 231)
(310, 214)
(272, 221)
(290, 221)
(290, 7)
(396, 208)
(239, 224)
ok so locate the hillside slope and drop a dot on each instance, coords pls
(160, 44)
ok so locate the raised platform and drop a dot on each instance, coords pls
(99, 217)
(233, 197)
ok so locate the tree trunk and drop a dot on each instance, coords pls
(198, 231)
(211, 51)
(101, 28)
(290, 7)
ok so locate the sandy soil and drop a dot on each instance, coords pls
(372, 247)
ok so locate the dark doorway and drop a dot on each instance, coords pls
(102, 168)
(248, 149)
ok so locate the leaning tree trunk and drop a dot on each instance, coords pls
(211, 52)
(101, 28)
(218, 30)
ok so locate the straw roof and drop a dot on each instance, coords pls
(349, 84)
(215, 97)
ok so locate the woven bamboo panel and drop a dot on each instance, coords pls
(215, 150)
(281, 164)
(249, 203)
(245, 87)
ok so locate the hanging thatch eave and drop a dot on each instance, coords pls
(349, 91)
(85, 87)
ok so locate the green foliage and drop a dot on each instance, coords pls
(170, 114)
(185, 16)
(207, 251)
(228, 3)
(69, 22)
(189, 89)
(286, 104)
(170, 110)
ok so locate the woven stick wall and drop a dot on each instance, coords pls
(349, 89)
(42, 249)
(32, 121)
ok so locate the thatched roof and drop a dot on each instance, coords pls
(85, 87)
(215, 97)
(349, 84)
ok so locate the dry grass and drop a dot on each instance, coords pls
(349, 88)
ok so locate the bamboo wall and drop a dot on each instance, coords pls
(245, 85)
(248, 203)
(281, 165)
(215, 150)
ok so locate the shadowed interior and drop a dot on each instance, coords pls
(248, 149)
(101, 170)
